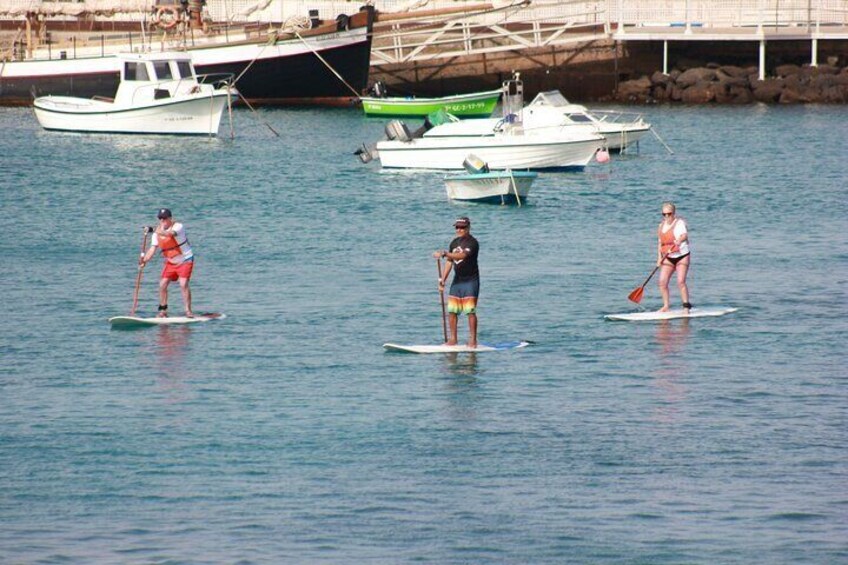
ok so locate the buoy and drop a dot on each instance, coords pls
(602, 156)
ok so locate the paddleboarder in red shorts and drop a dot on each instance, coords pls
(170, 238)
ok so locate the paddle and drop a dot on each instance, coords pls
(442, 297)
(146, 230)
(636, 295)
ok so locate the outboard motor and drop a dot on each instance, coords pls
(475, 165)
(396, 129)
(366, 153)
(378, 89)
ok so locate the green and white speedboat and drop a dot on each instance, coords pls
(478, 104)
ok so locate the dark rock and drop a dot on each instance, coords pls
(768, 90)
(736, 72)
(729, 80)
(659, 78)
(841, 78)
(693, 76)
(722, 95)
(700, 93)
(660, 93)
(787, 70)
(752, 71)
(810, 94)
(741, 95)
(636, 90)
(676, 93)
(676, 73)
(713, 66)
(821, 82)
(789, 96)
(793, 82)
(837, 94)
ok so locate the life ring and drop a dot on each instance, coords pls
(169, 21)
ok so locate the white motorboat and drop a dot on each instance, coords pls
(507, 143)
(550, 111)
(503, 187)
(159, 93)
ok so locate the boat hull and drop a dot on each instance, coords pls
(283, 73)
(480, 104)
(506, 152)
(495, 187)
(621, 138)
(194, 116)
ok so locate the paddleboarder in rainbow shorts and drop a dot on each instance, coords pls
(465, 288)
(170, 238)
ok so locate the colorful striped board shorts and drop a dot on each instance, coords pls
(462, 297)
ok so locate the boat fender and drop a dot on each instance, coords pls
(167, 22)
(396, 129)
(342, 22)
(602, 156)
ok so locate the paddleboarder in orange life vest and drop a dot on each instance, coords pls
(170, 238)
(673, 254)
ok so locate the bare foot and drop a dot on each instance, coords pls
(162, 314)
(450, 343)
(663, 309)
(189, 314)
(472, 345)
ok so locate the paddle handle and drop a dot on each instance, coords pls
(442, 299)
(145, 230)
(654, 272)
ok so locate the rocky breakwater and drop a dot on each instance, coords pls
(793, 84)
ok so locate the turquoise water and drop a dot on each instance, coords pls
(284, 433)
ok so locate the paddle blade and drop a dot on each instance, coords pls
(636, 295)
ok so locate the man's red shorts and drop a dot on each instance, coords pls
(182, 271)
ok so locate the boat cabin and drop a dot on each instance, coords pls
(155, 76)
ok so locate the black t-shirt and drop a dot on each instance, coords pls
(465, 269)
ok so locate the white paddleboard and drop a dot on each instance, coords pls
(671, 314)
(456, 348)
(134, 321)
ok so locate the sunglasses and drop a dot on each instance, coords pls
(668, 213)
(460, 227)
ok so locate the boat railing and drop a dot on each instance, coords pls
(617, 116)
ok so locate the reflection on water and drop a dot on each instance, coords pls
(671, 368)
(462, 387)
(170, 350)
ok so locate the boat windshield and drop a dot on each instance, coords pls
(185, 69)
(550, 98)
(135, 71)
(579, 118)
(162, 70)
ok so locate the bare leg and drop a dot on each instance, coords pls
(472, 330)
(186, 290)
(163, 296)
(682, 270)
(452, 328)
(665, 276)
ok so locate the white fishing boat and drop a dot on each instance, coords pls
(506, 143)
(480, 184)
(550, 111)
(159, 93)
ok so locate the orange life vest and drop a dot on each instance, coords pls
(666, 238)
(169, 246)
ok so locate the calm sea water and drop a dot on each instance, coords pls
(286, 434)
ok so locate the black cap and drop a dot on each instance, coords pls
(163, 213)
(462, 222)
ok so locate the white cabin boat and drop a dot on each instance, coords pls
(159, 93)
(550, 111)
(506, 143)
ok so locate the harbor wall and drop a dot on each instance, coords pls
(607, 70)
